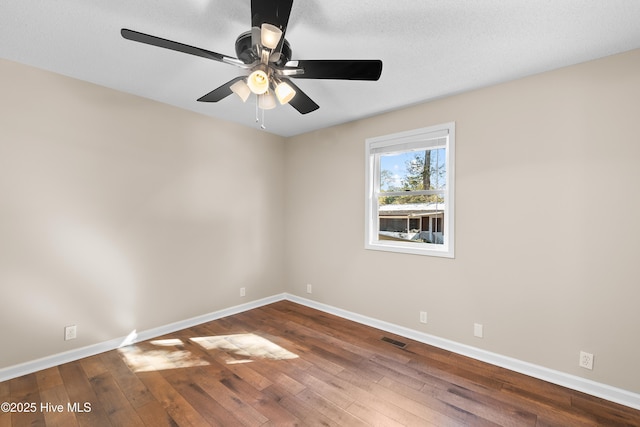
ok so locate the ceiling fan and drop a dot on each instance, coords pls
(265, 56)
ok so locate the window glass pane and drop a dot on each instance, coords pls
(413, 170)
(417, 219)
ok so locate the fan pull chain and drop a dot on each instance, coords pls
(257, 119)
(260, 115)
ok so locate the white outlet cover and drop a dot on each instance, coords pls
(423, 317)
(70, 332)
(477, 330)
(586, 360)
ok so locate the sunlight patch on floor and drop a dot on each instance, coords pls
(246, 346)
(140, 360)
(168, 342)
(235, 349)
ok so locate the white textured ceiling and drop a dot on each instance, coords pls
(430, 48)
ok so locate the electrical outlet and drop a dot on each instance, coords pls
(309, 288)
(423, 317)
(242, 292)
(586, 360)
(70, 332)
(477, 330)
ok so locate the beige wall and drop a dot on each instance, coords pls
(119, 213)
(547, 221)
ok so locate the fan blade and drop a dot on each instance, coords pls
(301, 101)
(179, 47)
(274, 12)
(356, 69)
(220, 92)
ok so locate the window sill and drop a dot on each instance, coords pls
(410, 248)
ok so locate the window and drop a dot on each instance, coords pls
(409, 195)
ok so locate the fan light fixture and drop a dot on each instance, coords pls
(266, 101)
(258, 82)
(270, 35)
(241, 89)
(284, 92)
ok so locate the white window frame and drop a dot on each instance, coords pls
(417, 139)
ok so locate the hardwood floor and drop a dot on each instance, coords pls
(286, 364)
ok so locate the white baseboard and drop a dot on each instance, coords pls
(573, 382)
(584, 385)
(91, 350)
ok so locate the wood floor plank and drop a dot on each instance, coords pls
(469, 393)
(209, 408)
(456, 373)
(331, 391)
(367, 339)
(114, 402)
(250, 375)
(131, 386)
(533, 392)
(208, 381)
(412, 378)
(178, 408)
(301, 409)
(54, 393)
(260, 401)
(80, 391)
(154, 414)
(285, 364)
(279, 377)
(24, 391)
(329, 409)
(242, 370)
(5, 418)
(380, 399)
(551, 403)
(560, 418)
(484, 406)
(601, 411)
(371, 417)
(57, 397)
(5, 396)
(48, 378)
(418, 407)
(93, 366)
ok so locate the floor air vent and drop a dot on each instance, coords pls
(397, 343)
